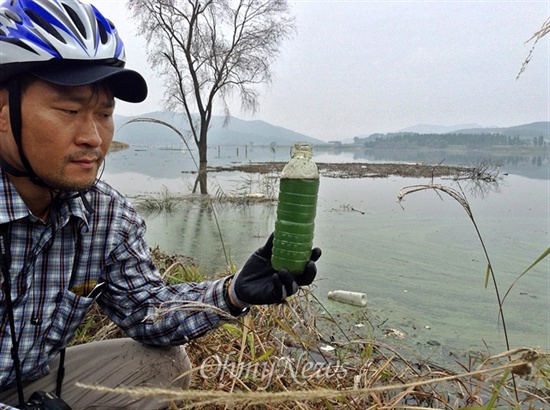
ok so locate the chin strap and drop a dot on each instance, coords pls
(14, 88)
(5, 261)
(10, 169)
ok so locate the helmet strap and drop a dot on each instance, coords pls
(10, 169)
(14, 89)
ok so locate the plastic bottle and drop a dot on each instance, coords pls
(299, 186)
(351, 298)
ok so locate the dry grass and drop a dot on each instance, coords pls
(539, 34)
(277, 358)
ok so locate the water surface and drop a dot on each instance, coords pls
(421, 264)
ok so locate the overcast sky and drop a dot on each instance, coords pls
(359, 67)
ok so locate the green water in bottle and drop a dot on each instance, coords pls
(296, 209)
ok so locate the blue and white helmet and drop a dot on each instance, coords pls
(66, 42)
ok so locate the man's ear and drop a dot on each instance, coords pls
(4, 110)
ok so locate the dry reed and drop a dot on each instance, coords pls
(276, 358)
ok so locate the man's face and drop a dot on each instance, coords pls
(66, 133)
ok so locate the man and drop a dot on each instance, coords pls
(67, 239)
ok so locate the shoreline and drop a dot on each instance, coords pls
(359, 169)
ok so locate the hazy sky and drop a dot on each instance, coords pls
(359, 67)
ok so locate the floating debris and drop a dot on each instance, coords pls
(351, 298)
(396, 334)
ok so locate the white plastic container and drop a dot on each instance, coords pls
(351, 298)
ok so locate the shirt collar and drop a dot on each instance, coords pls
(12, 206)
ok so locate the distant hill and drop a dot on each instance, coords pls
(244, 132)
(524, 131)
(438, 129)
(534, 129)
(238, 132)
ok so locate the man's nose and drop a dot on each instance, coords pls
(89, 133)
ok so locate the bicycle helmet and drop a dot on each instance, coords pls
(65, 42)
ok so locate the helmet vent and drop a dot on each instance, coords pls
(40, 21)
(37, 33)
(76, 20)
(19, 44)
(12, 16)
(102, 33)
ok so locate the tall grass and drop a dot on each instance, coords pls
(274, 359)
(539, 34)
(296, 356)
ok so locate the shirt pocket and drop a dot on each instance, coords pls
(67, 316)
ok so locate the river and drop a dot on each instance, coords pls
(420, 262)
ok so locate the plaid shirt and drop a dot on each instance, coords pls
(54, 266)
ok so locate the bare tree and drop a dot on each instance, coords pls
(208, 51)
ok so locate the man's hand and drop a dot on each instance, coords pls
(257, 283)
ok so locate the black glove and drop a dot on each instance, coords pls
(257, 283)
